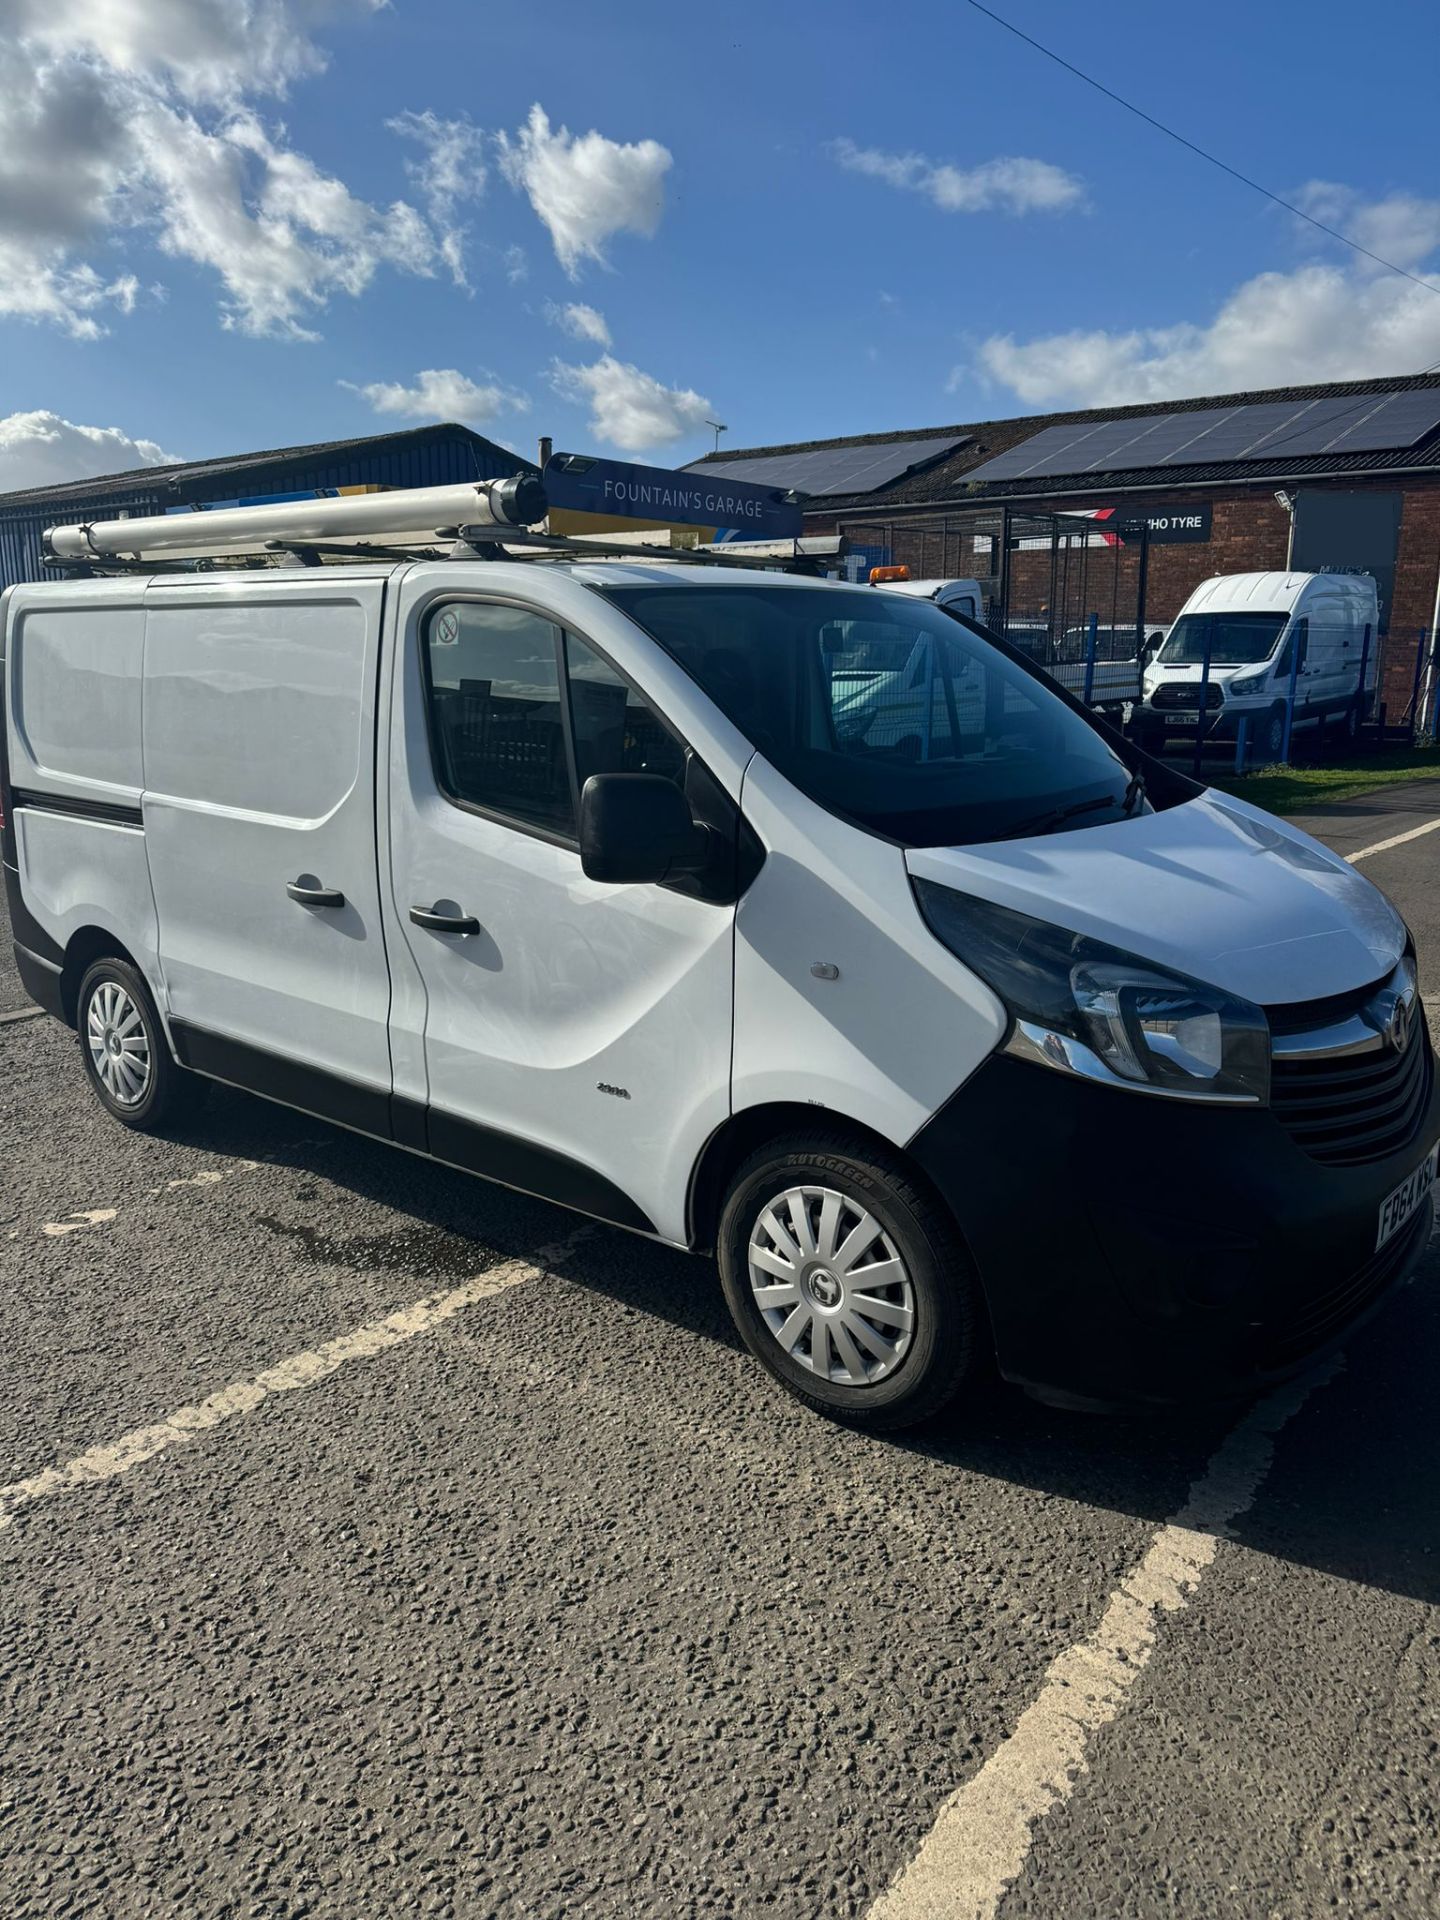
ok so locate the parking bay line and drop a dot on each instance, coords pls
(983, 1833)
(298, 1370)
(1396, 840)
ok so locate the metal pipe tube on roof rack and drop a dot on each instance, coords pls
(416, 513)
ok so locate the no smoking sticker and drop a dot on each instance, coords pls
(447, 628)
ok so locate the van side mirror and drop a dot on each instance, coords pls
(635, 828)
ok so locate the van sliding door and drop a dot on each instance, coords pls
(259, 805)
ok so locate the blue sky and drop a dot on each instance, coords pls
(808, 222)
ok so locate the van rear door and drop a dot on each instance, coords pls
(259, 759)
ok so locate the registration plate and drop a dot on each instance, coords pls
(1397, 1207)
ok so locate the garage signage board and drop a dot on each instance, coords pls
(658, 496)
(1167, 526)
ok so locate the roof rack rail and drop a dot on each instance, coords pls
(487, 520)
(412, 514)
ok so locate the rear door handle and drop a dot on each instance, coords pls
(315, 896)
(444, 922)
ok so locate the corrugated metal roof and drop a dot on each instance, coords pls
(946, 480)
(182, 476)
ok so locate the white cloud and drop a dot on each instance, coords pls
(584, 187)
(1401, 228)
(1317, 322)
(41, 449)
(579, 321)
(282, 236)
(206, 49)
(443, 393)
(517, 265)
(451, 171)
(630, 409)
(1009, 185)
(126, 116)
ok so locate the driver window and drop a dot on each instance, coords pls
(614, 727)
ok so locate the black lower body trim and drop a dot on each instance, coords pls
(465, 1144)
(41, 980)
(533, 1169)
(290, 1082)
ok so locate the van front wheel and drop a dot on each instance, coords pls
(849, 1282)
(127, 1059)
(1272, 737)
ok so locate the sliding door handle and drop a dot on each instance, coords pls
(315, 896)
(444, 922)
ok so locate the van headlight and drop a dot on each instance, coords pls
(1086, 1008)
(1249, 683)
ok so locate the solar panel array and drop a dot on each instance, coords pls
(822, 470)
(1351, 423)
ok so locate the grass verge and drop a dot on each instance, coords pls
(1293, 789)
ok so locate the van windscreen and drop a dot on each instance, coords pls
(1233, 639)
(889, 711)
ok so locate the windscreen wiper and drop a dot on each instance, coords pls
(1135, 792)
(1042, 822)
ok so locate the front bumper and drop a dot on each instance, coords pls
(1137, 1250)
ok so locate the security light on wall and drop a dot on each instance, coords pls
(1285, 500)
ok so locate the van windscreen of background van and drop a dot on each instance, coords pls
(889, 712)
(1234, 639)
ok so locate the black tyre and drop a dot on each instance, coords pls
(1272, 737)
(126, 1055)
(847, 1279)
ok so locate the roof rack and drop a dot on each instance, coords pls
(406, 516)
(487, 520)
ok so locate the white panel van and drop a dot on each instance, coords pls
(1263, 633)
(574, 873)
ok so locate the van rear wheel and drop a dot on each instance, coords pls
(848, 1281)
(125, 1053)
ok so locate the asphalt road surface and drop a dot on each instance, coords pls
(379, 1542)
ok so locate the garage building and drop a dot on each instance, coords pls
(1344, 475)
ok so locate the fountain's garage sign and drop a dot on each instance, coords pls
(618, 491)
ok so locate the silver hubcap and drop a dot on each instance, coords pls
(119, 1049)
(831, 1286)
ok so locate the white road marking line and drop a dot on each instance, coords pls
(983, 1833)
(286, 1376)
(1396, 840)
(96, 1217)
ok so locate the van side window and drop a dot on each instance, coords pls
(614, 728)
(496, 725)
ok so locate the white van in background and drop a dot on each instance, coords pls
(768, 917)
(962, 597)
(1252, 625)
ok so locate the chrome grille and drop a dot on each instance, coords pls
(1350, 1109)
(1183, 695)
